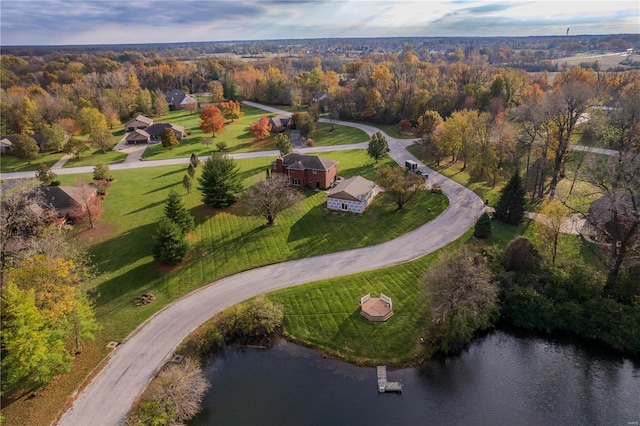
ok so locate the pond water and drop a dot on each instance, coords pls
(502, 379)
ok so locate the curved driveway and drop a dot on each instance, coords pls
(107, 399)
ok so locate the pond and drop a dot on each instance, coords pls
(502, 379)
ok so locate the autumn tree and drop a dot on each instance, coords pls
(89, 119)
(102, 138)
(305, 124)
(25, 148)
(401, 186)
(102, 172)
(404, 126)
(511, 204)
(169, 244)
(89, 206)
(176, 212)
(216, 91)
(169, 139)
(187, 183)
(231, 110)
(75, 147)
(220, 182)
(549, 227)
(160, 106)
(54, 137)
(269, 197)
(463, 298)
(261, 128)
(283, 143)
(211, 120)
(456, 135)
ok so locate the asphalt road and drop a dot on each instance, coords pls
(109, 396)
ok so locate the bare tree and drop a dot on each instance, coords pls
(271, 196)
(90, 204)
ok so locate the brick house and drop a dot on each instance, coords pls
(307, 170)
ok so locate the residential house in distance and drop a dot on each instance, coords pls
(179, 99)
(307, 170)
(7, 143)
(138, 122)
(68, 202)
(138, 136)
(279, 123)
(320, 97)
(155, 131)
(352, 195)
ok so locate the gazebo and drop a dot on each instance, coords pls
(376, 309)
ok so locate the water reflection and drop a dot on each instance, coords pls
(503, 378)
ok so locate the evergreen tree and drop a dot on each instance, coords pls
(378, 146)
(175, 211)
(191, 171)
(194, 160)
(170, 246)
(220, 183)
(283, 143)
(169, 139)
(510, 208)
(187, 183)
(483, 227)
(45, 175)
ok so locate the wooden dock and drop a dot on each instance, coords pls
(383, 384)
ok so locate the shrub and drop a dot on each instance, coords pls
(222, 146)
(170, 246)
(256, 318)
(102, 172)
(483, 227)
(521, 256)
(311, 142)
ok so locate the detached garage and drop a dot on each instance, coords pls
(352, 195)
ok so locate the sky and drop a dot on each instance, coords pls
(61, 22)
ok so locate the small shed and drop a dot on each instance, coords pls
(377, 309)
(351, 195)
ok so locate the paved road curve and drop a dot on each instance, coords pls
(107, 399)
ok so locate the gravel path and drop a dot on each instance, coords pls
(107, 399)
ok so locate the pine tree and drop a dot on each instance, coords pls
(378, 146)
(510, 208)
(170, 246)
(175, 211)
(483, 227)
(220, 183)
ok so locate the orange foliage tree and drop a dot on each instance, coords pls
(211, 120)
(231, 110)
(261, 128)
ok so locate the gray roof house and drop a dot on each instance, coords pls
(179, 99)
(351, 195)
(138, 136)
(138, 122)
(155, 131)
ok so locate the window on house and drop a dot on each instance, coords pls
(295, 181)
(315, 172)
(345, 206)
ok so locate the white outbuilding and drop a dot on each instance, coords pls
(352, 195)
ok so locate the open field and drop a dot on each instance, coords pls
(605, 61)
(11, 163)
(224, 242)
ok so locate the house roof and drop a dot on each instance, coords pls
(178, 96)
(602, 209)
(295, 161)
(6, 141)
(280, 120)
(138, 134)
(157, 128)
(64, 197)
(11, 139)
(354, 189)
(141, 118)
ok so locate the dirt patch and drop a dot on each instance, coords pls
(88, 235)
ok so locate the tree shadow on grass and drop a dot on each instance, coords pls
(135, 280)
(173, 172)
(146, 207)
(162, 188)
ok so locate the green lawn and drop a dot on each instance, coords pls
(392, 130)
(341, 135)
(11, 163)
(96, 157)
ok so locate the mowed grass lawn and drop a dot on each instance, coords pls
(11, 163)
(96, 156)
(237, 135)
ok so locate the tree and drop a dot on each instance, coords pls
(482, 228)
(269, 197)
(101, 138)
(462, 298)
(510, 208)
(169, 139)
(378, 146)
(220, 183)
(211, 120)
(187, 183)
(26, 148)
(54, 137)
(261, 128)
(404, 126)
(399, 184)
(283, 143)
(90, 205)
(32, 353)
(89, 119)
(221, 146)
(231, 110)
(45, 175)
(102, 172)
(548, 228)
(193, 160)
(191, 171)
(305, 124)
(175, 211)
(170, 246)
(160, 105)
(75, 146)
(216, 90)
